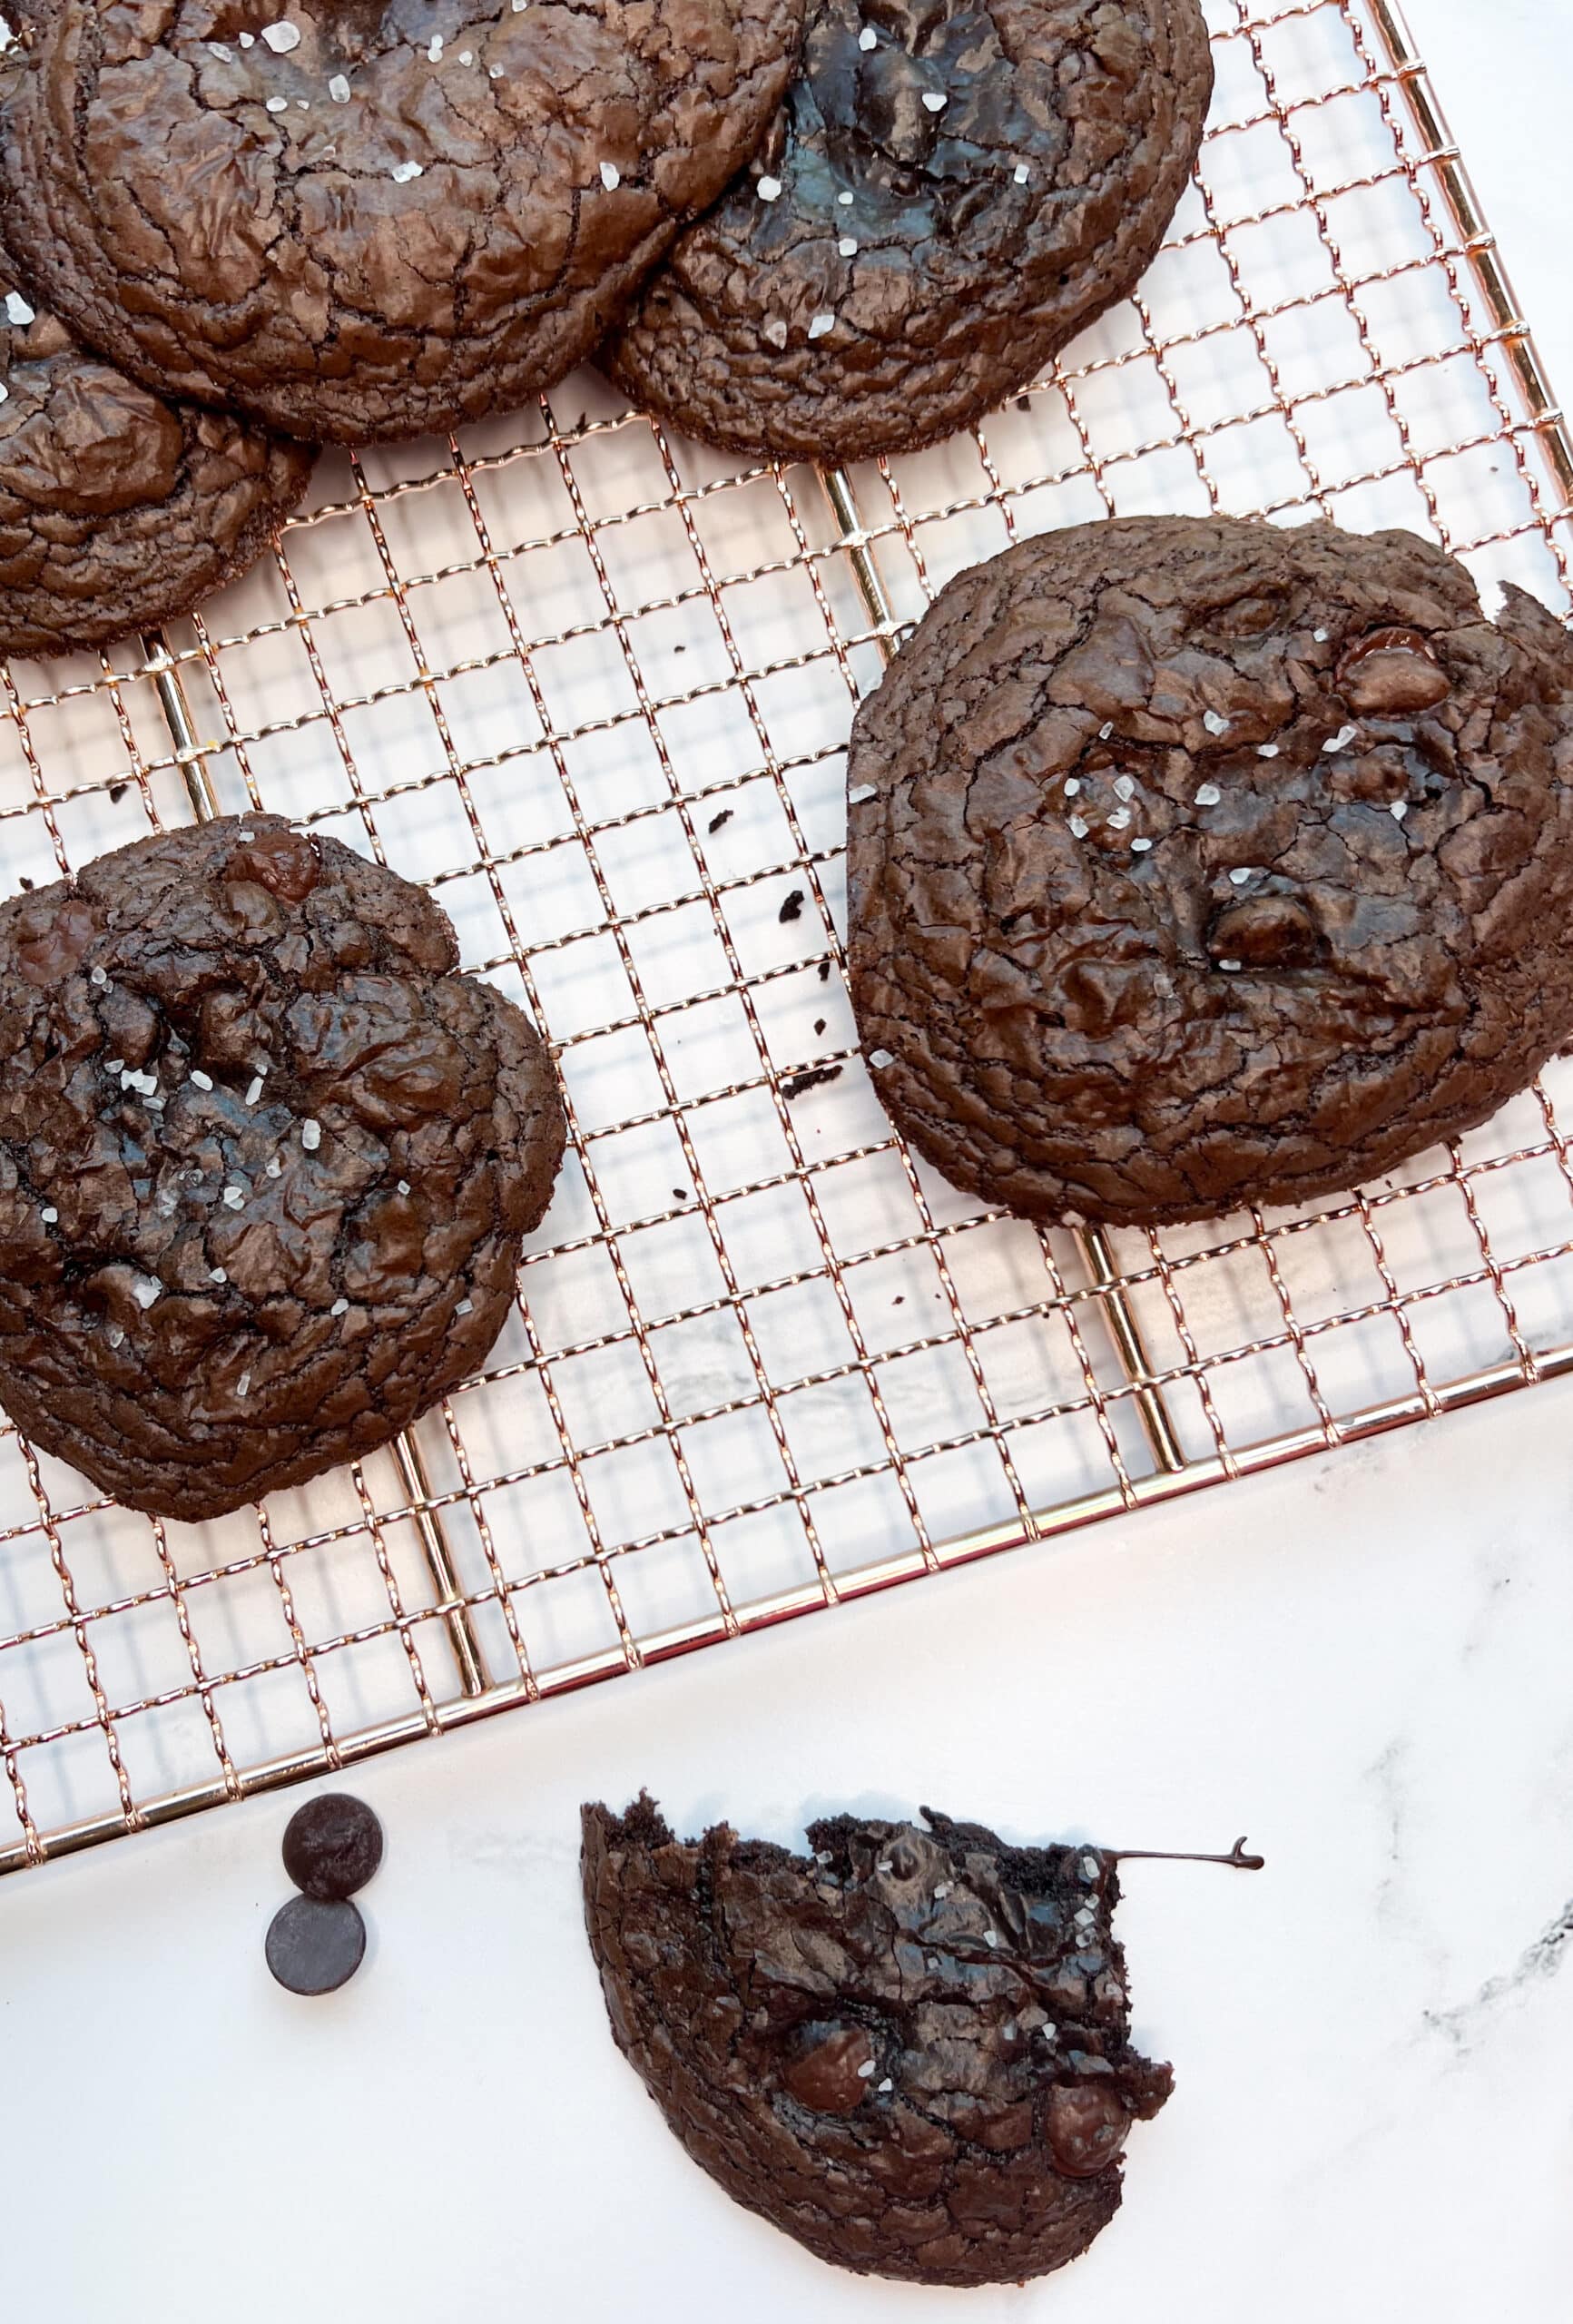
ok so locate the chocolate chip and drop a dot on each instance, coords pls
(818, 1024)
(794, 907)
(313, 1946)
(332, 1846)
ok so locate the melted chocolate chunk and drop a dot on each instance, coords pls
(266, 1163)
(950, 190)
(397, 219)
(909, 2049)
(1196, 862)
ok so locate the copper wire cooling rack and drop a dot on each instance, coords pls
(593, 685)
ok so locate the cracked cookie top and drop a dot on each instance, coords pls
(266, 1162)
(359, 220)
(950, 190)
(118, 511)
(910, 2050)
(1195, 862)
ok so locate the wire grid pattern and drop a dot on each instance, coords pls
(592, 684)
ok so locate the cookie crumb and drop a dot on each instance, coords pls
(791, 907)
(716, 822)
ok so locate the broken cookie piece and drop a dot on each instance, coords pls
(908, 2049)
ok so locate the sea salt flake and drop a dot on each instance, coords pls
(1118, 818)
(880, 1058)
(311, 1134)
(775, 331)
(49, 1214)
(1215, 722)
(1399, 810)
(867, 2070)
(146, 1289)
(247, 41)
(403, 171)
(1208, 795)
(340, 1307)
(858, 792)
(466, 56)
(404, 1186)
(848, 246)
(942, 1888)
(234, 1197)
(254, 1090)
(115, 1336)
(846, 199)
(935, 100)
(97, 976)
(1241, 873)
(277, 105)
(243, 1385)
(245, 835)
(1072, 786)
(868, 38)
(1320, 635)
(1342, 740)
(610, 176)
(282, 36)
(217, 1274)
(275, 1167)
(202, 1080)
(217, 48)
(1077, 826)
(494, 72)
(820, 325)
(886, 2084)
(338, 88)
(1089, 1867)
(1021, 173)
(434, 54)
(18, 309)
(1124, 786)
(303, 105)
(464, 1307)
(1140, 846)
(1231, 968)
(768, 189)
(1106, 730)
(1267, 750)
(990, 1939)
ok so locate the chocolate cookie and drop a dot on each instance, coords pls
(1196, 862)
(266, 1162)
(911, 2051)
(949, 192)
(118, 511)
(369, 220)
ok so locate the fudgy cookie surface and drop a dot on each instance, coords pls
(950, 190)
(911, 2051)
(1195, 862)
(369, 218)
(118, 511)
(266, 1162)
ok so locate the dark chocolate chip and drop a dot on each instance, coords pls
(314, 1946)
(332, 1846)
(794, 907)
(818, 1024)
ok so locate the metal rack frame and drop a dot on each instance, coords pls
(1133, 1350)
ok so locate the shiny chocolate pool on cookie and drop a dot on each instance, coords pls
(1198, 862)
(266, 1162)
(909, 2049)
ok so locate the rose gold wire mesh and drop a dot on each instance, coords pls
(592, 686)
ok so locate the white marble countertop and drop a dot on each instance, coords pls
(1360, 1661)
